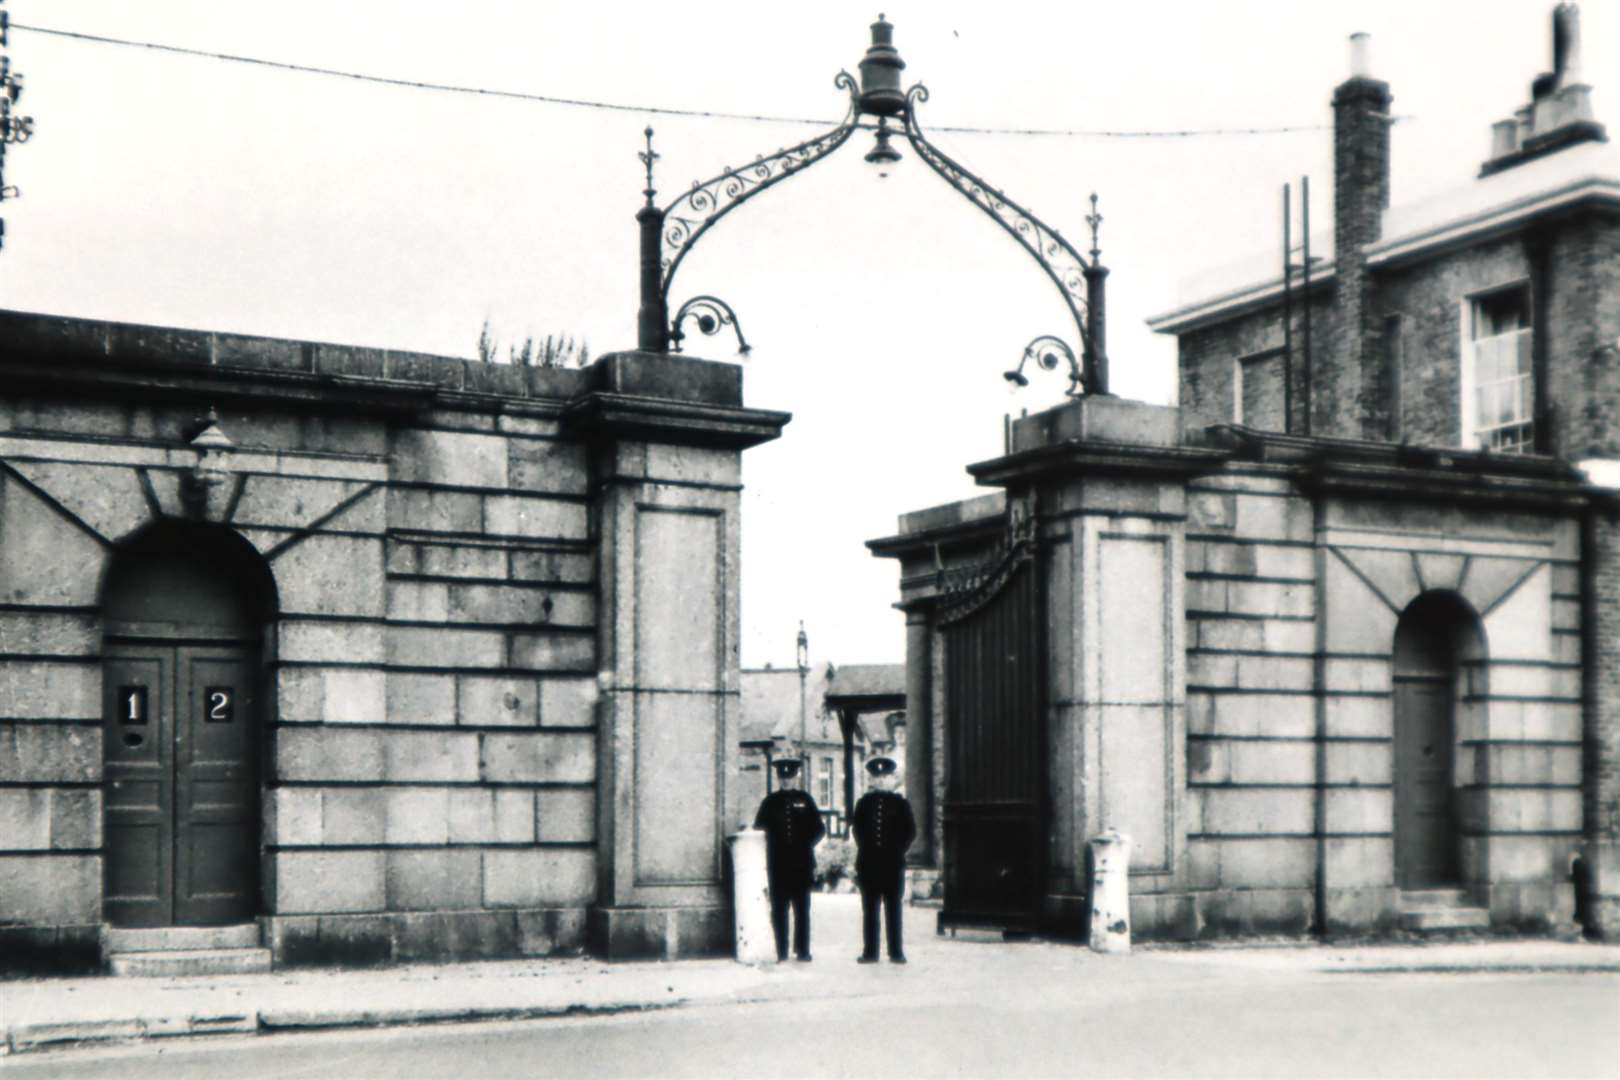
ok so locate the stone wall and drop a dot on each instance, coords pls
(1251, 704)
(454, 547)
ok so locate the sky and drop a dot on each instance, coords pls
(192, 192)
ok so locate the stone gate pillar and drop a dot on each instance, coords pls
(1107, 478)
(666, 436)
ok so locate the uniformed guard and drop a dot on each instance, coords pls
(884, 829)
(793, 827)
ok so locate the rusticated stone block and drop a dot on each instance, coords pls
(546, 757)
(52, 890)
(444, 757)
(515, 816)
(450, 458)
(292, 816)
(419, 601)
(332, 575)
(303, 641)
(566, 702)
(554, 652)
(1268, 863)
(421, 699)
(442, 878)
(539, 877)
(317, 882)
(436, 647)
(1246, 811)
(498, 701)
(48, 633)
(1359, 810)
(329, 754)
(566, 815)
(534, 517)
(49, 690)
(1360, 861)
(354, 815)
(417, 816)
(546, 465)
(75, 819)
(472, 815)
(434, 511)
(42, 754)
(25, 819)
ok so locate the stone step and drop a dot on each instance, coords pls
(1444, 918)
(169, 962)
(1433, 898)
(169, 938)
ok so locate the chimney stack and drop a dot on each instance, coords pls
(1350, 400)
(1560, 110)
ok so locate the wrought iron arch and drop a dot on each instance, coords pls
(670, 233)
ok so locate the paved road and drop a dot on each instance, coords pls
(1231, 1021)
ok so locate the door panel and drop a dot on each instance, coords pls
(216, 789)
(1425, 831)
(138, 693)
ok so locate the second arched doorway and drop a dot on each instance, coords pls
(1437, 642)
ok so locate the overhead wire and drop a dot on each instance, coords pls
(654, 110)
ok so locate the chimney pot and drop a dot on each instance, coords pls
(1361, 55)
(1504, 137)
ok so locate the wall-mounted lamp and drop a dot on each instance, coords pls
(1046, 351)
(205, 484)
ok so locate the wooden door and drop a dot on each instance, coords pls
(182, 802)
(1425, 831)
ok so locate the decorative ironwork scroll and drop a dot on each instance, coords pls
(698, 210)
(965, 590)
(711, 314)
(1062, 263)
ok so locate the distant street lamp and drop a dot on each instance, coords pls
(670, 232)
(804, 724)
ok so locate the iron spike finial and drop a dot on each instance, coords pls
(647, 157)
(1094, 219)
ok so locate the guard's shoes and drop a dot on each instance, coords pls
(897, 959)
(864, 959)
(803, 958)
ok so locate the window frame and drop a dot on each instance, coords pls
(1469, 429)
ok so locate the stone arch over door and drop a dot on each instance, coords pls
(184, 611)
(1438, 671)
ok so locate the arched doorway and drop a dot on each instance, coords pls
(183, 608)
(1437, 640)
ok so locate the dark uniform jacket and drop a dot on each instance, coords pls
(884, 829)
(793, 827)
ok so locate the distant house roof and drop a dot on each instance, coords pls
(867, 680)
(770, 704)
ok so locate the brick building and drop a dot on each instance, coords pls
(1336, 641)
(325, 654)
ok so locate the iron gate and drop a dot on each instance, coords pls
(994, 813)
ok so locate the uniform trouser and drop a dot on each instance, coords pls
(798, 896)
(888, 893)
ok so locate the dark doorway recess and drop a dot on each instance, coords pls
(1439, 671)
(184, 608)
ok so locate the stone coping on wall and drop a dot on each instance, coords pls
(630, 390)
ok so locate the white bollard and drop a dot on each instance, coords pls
(751, 898)
(1111, 892)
